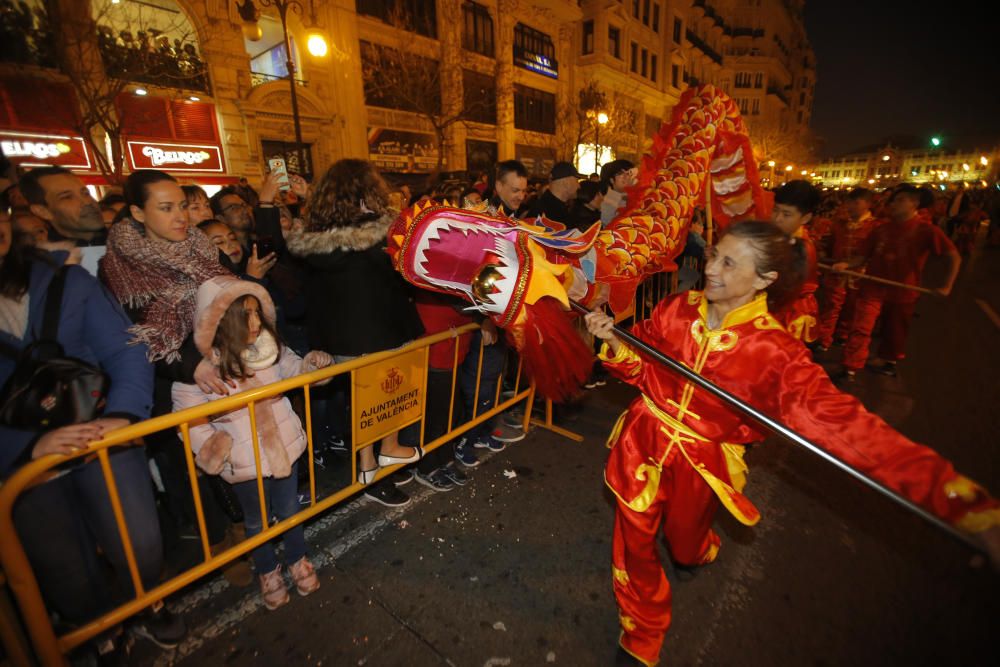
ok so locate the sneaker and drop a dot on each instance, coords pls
(336, 444)
(491, 444)
(437, 480)
(457, 477)
(505, 433)
(160, 627)
(388, 495)
(112, 653)
(273, 590)
(514, 417)
(304, 576)
(887, 368)
(844, 377)
(401, 477)
(465, 454)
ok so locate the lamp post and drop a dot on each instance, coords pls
(250, 15)
(602, 119)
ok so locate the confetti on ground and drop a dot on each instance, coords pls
(500, 626)
(497, 662)
(550, 656)
(403, 524)
(509, 474)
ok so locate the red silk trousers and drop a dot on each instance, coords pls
(895, 325)
(683, 509)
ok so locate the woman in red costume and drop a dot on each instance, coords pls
(676, 453)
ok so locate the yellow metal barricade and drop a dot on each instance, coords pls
(51, 649)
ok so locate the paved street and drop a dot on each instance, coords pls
(513, 569)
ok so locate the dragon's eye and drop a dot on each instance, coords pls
(485, 283)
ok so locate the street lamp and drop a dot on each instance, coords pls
(316, 45)
(602, 119)
(935, 141)
(983, 161)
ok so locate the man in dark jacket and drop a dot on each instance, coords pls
(554, 202)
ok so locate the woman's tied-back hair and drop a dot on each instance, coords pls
(775, 251)
(350, 193)
(231, 339)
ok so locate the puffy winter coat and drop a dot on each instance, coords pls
(279, 430)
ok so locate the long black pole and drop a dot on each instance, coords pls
(777, 427)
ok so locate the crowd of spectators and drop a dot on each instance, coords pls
(181, 297)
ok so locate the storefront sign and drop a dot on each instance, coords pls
(401, 151)
(45, 150)
(388, 396)
(175, 157)
(536, 63)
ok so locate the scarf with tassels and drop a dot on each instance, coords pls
(161, 279)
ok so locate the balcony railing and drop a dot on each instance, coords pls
(699, 44)
(158, 63)
(779, 93)
(259, 79)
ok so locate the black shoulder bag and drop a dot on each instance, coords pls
(48, 389)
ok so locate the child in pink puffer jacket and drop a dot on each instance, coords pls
(234, 329)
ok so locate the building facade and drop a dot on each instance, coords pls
(201, 88)
(890, 165)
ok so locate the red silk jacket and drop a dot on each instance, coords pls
(799, 316)
(755, 359)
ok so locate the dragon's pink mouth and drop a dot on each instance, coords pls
(451, 254)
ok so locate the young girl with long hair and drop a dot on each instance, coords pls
(234, 328)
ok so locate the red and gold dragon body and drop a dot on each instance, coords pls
(523, 273)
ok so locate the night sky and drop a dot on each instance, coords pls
(889, 69)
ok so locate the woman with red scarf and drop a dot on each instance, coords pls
(676, 453)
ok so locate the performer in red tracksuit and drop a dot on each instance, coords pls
(676, 453)
(896, 250)
(840, 292)
(795, 203)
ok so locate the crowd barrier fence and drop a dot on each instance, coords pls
(48, 648)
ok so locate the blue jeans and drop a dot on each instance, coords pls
(281, 500)
(62, 523)
(493, 358)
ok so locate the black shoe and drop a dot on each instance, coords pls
(685, 572)
(336, 444)
(160, 627)
(113, 653)
(844, 378)
(437, 480)
(457, 477)
(401, 477)
(625, 659)
(388, 495)
(888, 368)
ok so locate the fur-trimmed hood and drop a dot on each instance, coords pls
(214, 298)
(305, 242)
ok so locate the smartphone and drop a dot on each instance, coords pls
(277, 165)
(265, 246)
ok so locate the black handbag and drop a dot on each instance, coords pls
(48, 389)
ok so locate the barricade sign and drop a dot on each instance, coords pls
(388, 396)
